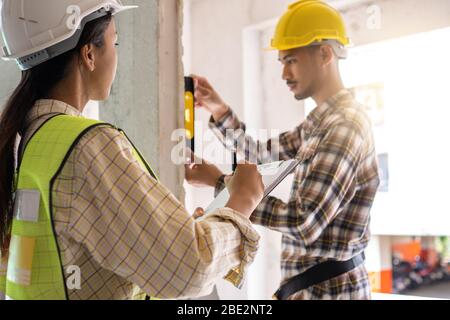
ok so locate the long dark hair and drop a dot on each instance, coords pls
(36, 83)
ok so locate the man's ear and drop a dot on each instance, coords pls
(87, 56)
(326, 54)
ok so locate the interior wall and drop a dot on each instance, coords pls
(9, 76)
(9, 79)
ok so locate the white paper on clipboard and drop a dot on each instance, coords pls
(272, 175)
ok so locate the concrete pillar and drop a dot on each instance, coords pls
(146, 99)
(9, 79)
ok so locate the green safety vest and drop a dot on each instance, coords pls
(34, 270)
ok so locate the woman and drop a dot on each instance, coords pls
(85, 217)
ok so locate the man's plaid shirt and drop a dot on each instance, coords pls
(328, 214)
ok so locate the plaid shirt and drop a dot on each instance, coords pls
(328, 214)
(123, 228)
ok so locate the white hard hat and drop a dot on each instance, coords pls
(35, 31)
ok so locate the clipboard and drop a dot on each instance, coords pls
(272, 175)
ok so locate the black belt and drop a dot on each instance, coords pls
(317, 274)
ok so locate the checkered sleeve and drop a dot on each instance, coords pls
(133, 226)
(232, 134)
(323, 191)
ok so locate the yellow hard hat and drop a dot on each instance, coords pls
(307, 22)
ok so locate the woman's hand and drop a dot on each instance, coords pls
(246, 189)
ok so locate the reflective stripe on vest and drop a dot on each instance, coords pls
(33, 270)
(3, 268)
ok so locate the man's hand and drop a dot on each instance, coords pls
(245, 186)
(202, 175)
(206, 97)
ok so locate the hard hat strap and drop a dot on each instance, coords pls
(340, 50)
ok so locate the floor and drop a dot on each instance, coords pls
(441, 291)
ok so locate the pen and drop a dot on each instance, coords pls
(234, 161)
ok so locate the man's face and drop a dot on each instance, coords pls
(301, 71)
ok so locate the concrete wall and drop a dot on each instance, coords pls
(146, 99)
(9, 79)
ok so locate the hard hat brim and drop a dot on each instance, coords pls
(340, 49)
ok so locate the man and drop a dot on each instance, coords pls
(325, 224)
